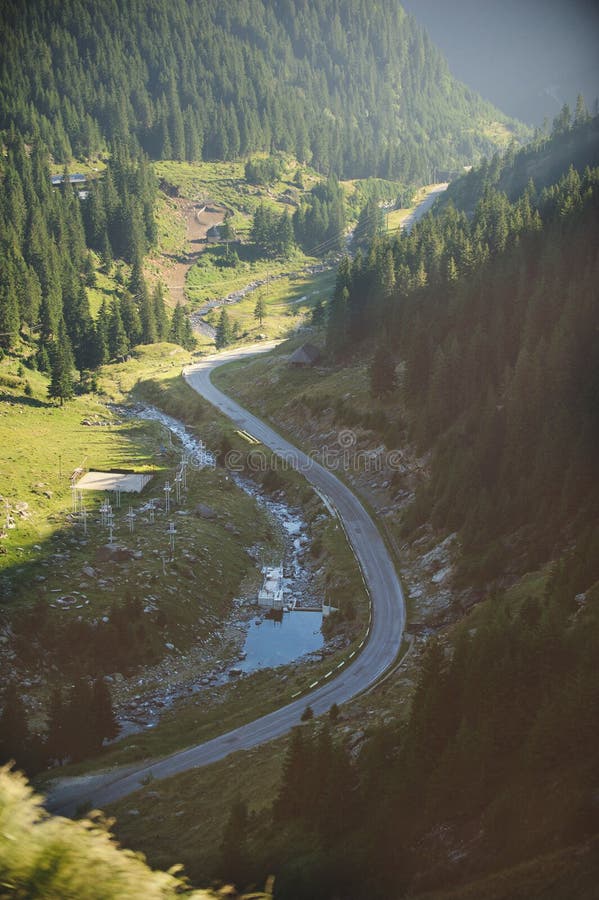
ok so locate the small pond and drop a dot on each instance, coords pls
(273, 643)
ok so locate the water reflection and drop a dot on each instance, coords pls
(269, 643)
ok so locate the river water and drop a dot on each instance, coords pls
(268, 643)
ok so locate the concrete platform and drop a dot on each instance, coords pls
(128, 483)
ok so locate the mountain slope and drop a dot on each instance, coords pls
(356, 89)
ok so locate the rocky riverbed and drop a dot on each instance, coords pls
(139, 701)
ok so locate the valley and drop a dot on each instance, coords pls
(299, 547)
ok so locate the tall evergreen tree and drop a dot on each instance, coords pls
(118, 342)
(103, 719)
(61, 367)
(234, 853)
(160, 317)
(224, 332)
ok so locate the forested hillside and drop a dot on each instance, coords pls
(51, 245)
(573, 141)
(485, 334)
(353, 88)
(495, 318)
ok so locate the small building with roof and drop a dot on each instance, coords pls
(305, 356)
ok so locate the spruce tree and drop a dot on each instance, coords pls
(118, 343)
(103, 720)
(260, 310)
(234, 855)
(131, 319)
(160, 316)
(224, 333)
(61, 367)
(80, 739)
(9, 314)
(382, 371)
(149, 329)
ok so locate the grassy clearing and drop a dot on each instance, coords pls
(44, 444)
(268, 384)
(210, 277)
(288, 301)
(90, 167)
(192, 809)
(224, 183)
(172, 231)
(46, 554)
(104, 290)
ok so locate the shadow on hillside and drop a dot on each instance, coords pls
(23, 400)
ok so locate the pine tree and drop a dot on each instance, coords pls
(337, 321)
(382, 371)
(131, 319)
(118, 343)
(181, 331)
(234, 855)
(103, 720)
(9, 313)
(293, 793)
(61, 367)
(260, 310)
(80, 738)
(160, 317)
(224, 334)
(149, 330)
(284, 236)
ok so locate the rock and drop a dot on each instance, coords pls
(110, 553)
(205, 512)
(132, 812)
(169, 646)
(441, 575)
(118, 677)
(89, 572)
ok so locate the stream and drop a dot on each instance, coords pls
(262, 643)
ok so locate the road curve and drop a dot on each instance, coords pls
(424, 206)
(349, 678)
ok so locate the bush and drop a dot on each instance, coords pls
(43, 856)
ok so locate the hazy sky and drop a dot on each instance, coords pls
(527, 56)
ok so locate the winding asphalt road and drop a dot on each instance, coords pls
(350, 677)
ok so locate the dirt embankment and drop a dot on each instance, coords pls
(199, 218)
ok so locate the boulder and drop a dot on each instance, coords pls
(205, 512)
